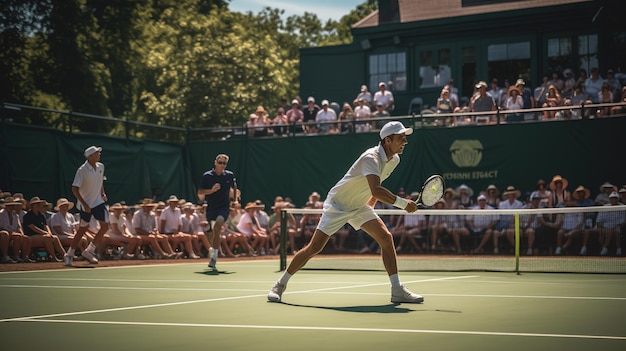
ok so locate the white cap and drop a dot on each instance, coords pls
(295, 101)
(324, 102)
(482, 197)
(92, 150)
(394, 127)
(614, 194)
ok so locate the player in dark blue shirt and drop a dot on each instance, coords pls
(215, 189)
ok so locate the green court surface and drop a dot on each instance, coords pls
(185, 307)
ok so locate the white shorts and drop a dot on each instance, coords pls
(333, 219)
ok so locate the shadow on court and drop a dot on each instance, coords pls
(389, 308)
(212, 272)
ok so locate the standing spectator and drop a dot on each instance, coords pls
(593, 85)
(309, 115)
(514, 102)
(527, 98)
(495, 91)
(364, 95)
(552, 99)
(36, 227)
(88, 188)
(384, 97)
(325, 115)
(482, 102)
(215, 188)
(362, 114)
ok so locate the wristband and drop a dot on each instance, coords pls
(400, 203)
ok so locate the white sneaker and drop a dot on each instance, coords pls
(604, 251)
(276, 292)
(557, 251)
(402, 294)
(583, 251)
(194, 256)
(68, 260)
(89, 256)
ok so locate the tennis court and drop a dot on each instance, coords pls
(185, 306)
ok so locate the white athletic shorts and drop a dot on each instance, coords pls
(333, 219)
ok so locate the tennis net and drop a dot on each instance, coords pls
(569, 239)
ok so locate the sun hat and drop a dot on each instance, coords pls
(606, 185)
(253, 205)
(92, 150)
(482, 83)
(394, 127)
(36, 200)
(493, 187)
(63, 201)
(147, 203)
(614, 194)
(520, 82)
(10, 201)
(451, 191)
(172, 198)
(558, 178)
(260, 109)
(511, 190)
(482, 197)
(464, 187)
(576, 195)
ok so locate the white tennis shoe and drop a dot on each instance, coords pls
(276, 292)
(68, 260)
(90, 256)
(403, 295)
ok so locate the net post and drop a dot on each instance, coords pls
(283, 240)
(517, 242)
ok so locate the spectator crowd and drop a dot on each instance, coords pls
(36, 229)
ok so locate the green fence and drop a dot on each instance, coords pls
(42, 161)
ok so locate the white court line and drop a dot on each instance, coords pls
(204, 300)
(312, 328)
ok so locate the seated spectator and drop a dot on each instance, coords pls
(145, 225)
(495, 91)
(250, 227)
(364, 96)
(541, 91)
(614, 84)
(380, 113)
(295, 115)
(529, 223)
(280, 122)
(556, 81)
(308, 222)
(450, 199)
(514, 102)
(552, 99)
(605, 190)
(465, 196)
(36, 228)
(64, 224)
(407, 227)
(274, 228)
(118, 235)
(445, 105)
(549, 225)
(560, 194)
(191, 226)
(593, 85)
(171, 224)
(527, 98)
(609, 226)
(506, 225)
(615, 110)
(12, 234)
(325, 115)
(362, 114)
(482, 102)
(493, 196)
(568, 84)
(438, 227)
(346, 119)
(263, 123)
(572, 226)
(481, 225)
(581, 196)
(605, 96)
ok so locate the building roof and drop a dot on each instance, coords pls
(413, 11)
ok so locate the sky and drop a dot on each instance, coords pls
(324, 9)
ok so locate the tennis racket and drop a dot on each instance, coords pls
(432, 191)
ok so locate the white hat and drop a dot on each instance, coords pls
(363, 87)
(310, 99)
(614, 194)
(92, 150)
(382, 84)
(324, 102)
(394, 127)
(482, 197)
(295, 101)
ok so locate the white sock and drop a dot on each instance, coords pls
(70, 252)
(215, 254)
(395, 280)
(284, 279)
(91, 248)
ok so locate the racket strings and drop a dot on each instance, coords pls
(433, 191)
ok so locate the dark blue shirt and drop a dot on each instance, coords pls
(39, 220)
(221, 198)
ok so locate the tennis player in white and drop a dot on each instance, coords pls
(352, 201)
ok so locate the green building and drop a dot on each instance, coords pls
(418, 46)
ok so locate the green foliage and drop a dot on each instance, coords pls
(186, 63)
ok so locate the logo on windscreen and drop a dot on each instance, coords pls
(466, 153)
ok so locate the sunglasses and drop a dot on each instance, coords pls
(222, 163)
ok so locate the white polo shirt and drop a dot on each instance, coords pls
(353, 191)
(172, 220)
(89, 182)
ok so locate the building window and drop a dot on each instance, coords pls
(588, 51)
(559, 54)
(434, 68)
(508, 61)
(388, 68)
